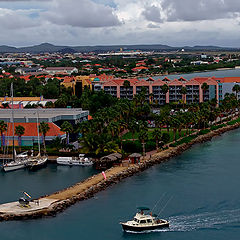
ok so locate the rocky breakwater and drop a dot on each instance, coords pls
(89, 187)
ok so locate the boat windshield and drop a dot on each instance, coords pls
(135, 220)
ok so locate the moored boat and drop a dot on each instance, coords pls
(144, 222)
(72, 161)
(14, 165)
(37, 163)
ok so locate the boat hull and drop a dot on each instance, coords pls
(144, 228)
(70, 162)
(38, 165)
(8, 168)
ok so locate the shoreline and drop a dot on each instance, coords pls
(86, 189)
(143, 76)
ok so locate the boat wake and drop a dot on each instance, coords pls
(185, 223)
(214, 220)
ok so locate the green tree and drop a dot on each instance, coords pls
(143, 137)
(3, 128)
(19, 131)
(204, 87)
(68, 128)
(157, 134)
(183, 91)
(44, 128)
(165, 89)
(236, 89)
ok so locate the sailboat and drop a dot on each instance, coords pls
(38, 161)
(18, 162)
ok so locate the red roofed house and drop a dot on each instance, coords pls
(138, 69)
(31, 136)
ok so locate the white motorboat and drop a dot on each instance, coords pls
(144, 222)
(74, 161)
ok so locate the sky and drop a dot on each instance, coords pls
(115, 22)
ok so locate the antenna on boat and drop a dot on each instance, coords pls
(39, 149)
(165, 206)
(13, 150)
(159, 201)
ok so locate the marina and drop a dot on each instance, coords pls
(94, 184)
(195, 212)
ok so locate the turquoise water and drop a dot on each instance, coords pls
(219, 73)
(202, 183)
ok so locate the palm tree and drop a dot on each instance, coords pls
(157, 134)
(183, 91)
(151, 98)
(133, 127)
(3, 128)
(165, 89)
(126, 85)
(236, 88)
(68, 128)
(44, 128)
(143, 137)
(19, 131)
(204, 87)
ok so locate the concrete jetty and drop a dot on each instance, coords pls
(16, 208)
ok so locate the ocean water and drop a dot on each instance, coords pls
(218, 73)
(198, 192)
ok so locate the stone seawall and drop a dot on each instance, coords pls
(89, 187)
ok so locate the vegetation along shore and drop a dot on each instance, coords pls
(86, 189)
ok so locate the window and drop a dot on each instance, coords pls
(143, 221)
(149, 220)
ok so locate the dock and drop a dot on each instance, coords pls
(16, 208)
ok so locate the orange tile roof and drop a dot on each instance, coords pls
(175, 82)
(142, 83)
(31, 130)
(158, 82)
(209, 81)
(139, 68)
(230, 80)
(192, 82)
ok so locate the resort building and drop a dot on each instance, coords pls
(154, 92)
(50, 115)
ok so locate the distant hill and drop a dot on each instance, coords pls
(47, 47)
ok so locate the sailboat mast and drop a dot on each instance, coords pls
(13, 150)
(39, 150)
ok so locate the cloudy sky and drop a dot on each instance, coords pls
(97, 22)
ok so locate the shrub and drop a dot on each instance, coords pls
(150, 145)
(204, 131)
(165, 137)
(132, 147)
(218, 126)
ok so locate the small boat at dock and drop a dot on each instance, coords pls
(37, 163)
(74, 161)
(144, 222)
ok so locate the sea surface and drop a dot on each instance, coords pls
(218, 73)
(198, 192)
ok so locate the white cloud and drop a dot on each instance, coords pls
(93, 22)
(84, 13)
(10, 19)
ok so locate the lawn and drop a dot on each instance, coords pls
(129, 135)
